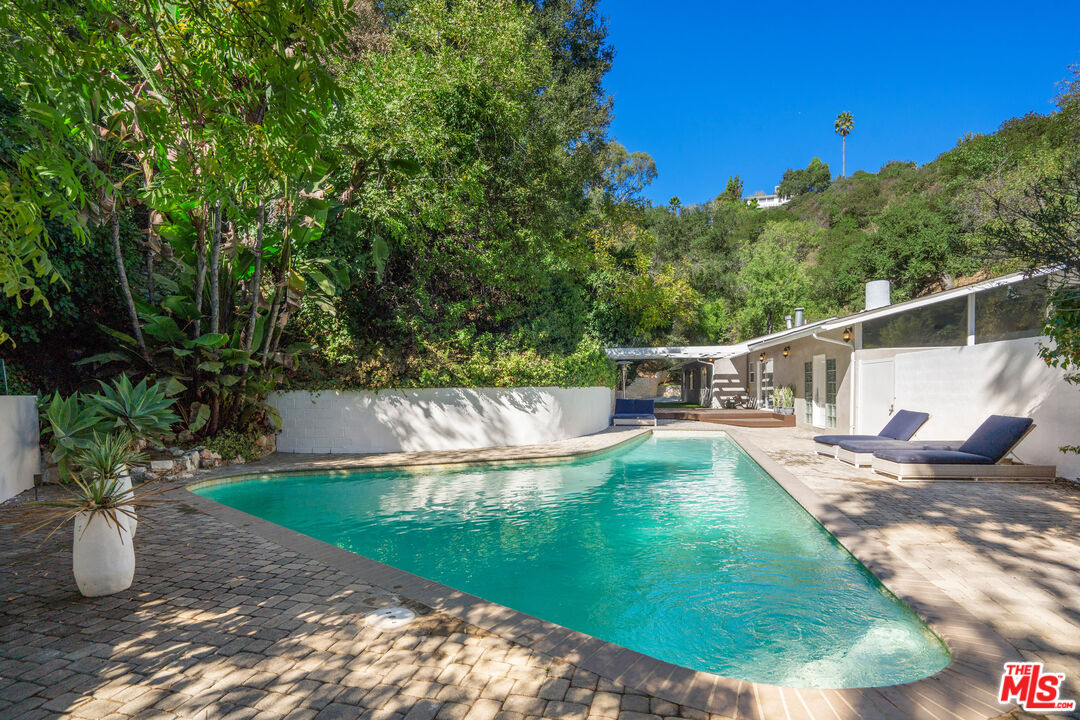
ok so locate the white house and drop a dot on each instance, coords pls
(959, 355)
(767, 201)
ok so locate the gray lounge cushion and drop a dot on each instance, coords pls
(904, 424)
(876, 444)
(837, 439)
(901, 427)
(996, 436)
(932, 457)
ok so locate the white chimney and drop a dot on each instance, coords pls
(798, 316)
(878, 294)
(787, 319)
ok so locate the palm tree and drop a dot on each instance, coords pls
(844, 125)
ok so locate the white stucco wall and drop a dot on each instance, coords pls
(961, 386)
(20, 457)
(437, 419)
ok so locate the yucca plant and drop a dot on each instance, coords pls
(96, 489)
(143, 410)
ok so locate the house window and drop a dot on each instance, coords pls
(808, 392)
(1012, 311)
(938, 325)
(830, 392)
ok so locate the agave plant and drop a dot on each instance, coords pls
(72, 423)
(143, 410)
(97, 489)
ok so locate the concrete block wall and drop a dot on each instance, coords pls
(337, 421)
(20, 457)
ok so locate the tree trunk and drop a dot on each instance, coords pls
(149, 273)
(256, 278)
(200, 272)
(215, 271)
(271, 320)
(125, 287)
(281, 293)
(228, 306)
(843, 156)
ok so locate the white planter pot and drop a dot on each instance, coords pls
(103, 554)
(132, 521)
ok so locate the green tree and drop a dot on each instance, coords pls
(916, 246)
(734, 189)
(1042, 230)
(844, 124)
(626, 174)
(814, 178)
(772, 280)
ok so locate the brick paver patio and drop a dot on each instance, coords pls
(222, 622)
(1009, 552)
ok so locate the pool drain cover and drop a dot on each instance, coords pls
(390, 618)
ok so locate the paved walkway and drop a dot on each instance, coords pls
(222, 622)
(1008, 552)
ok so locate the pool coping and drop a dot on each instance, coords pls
(965, 688)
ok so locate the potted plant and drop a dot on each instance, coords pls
(784, 400)
(101, 506)
(142, 412)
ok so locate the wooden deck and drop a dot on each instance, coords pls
(720, 416)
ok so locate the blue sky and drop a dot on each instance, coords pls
(712, 89)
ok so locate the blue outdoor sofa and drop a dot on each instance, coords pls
(899, 429)
(633, 412)
(980, 457)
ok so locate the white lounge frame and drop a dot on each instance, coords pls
(634, 421)
(827, 450)
(904, 472)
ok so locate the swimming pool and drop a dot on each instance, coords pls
(679, 546)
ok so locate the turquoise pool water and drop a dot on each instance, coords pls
(678, 547)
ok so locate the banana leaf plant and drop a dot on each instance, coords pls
(221, 379)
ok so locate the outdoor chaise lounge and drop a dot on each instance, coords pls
(860, 453)
(633, 412)
(979, 458)
(900, 428)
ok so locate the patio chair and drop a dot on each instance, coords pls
(980, 457)
(634, 412)
(900, 428)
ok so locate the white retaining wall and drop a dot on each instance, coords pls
(20, 457)
(335, 421)
(961, 386)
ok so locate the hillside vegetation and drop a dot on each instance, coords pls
(234, 198)
(923, 228)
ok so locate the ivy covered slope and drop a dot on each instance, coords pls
(923, 228)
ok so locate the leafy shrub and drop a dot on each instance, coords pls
(231, 444)
(482, 361)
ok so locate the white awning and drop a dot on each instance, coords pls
(675, 352)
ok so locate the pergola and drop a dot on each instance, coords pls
(625, 356)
